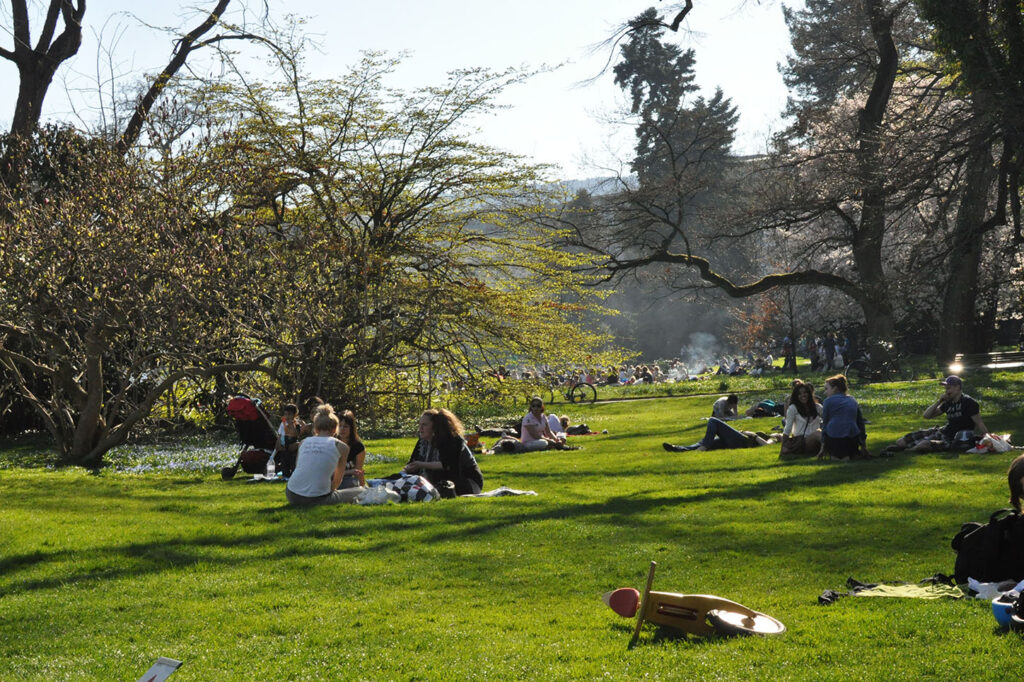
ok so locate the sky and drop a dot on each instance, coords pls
(571, 116)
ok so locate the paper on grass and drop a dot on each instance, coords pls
(161, 670)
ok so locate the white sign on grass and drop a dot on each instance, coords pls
(161, 670)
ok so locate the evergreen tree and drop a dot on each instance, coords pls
(679, 142)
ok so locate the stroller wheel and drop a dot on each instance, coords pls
(227, 473)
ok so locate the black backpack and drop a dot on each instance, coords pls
(990, 552)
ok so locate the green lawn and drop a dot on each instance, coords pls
(101, 574)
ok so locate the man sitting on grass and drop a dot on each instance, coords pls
(725, 408)
(962, 414)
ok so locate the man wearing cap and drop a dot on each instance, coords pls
(962, 414)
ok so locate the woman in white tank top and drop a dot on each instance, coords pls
(320, 465)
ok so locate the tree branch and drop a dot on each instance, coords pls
(49, 25)
(674, 26)
(25, 361)
(708, 274)
(181, 52)
(22, 38)
(119, 433)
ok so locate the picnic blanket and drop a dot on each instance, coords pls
(503, 491)
(938, 586)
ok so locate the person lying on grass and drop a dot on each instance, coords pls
(963, 416)
(560, 427)
(320, 466)
(766, 408)
(720, 436)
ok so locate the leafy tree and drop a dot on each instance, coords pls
(111, 291)
(863, 187)
(681, 156)
(404, 243)
(984, 43)
(883, 184)
(935, 161)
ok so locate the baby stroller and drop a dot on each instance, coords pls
(256, 434)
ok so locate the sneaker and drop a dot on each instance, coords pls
(668, 447)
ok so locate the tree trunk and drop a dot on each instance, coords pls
(867, 241)
(958, 328)
(35, 78)
(90, 425)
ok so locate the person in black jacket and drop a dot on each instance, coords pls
(1015, 476)
(441, 454)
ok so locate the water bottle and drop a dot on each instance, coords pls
(271, 469)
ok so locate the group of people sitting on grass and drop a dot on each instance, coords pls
(536, 431)
(755, 365)
(328, 455)
(835, 428)
(324, 458)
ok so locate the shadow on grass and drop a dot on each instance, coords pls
(665, 635)
(636, 512)
(163, 555)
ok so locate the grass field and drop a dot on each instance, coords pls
(102, 573)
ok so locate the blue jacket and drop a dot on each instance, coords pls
(841, 417)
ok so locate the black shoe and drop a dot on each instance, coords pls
(672, 448)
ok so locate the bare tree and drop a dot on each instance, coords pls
(37, 63)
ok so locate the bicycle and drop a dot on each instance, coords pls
(891, 367)
(573, 391)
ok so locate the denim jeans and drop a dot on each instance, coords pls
(720, 435)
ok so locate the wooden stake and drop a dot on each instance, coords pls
(643, 604)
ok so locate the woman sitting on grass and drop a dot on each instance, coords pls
(721, 436)
(802, 433)
(349, 435)
(843, 435)
(534, 431)
(441, 454)
(321, 465)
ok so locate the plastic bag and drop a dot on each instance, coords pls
(378, 495)
(992, 442)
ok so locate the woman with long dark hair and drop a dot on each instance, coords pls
(802, 433)
(441, 453)
(348, 434)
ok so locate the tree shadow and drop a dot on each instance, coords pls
(474, 518)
